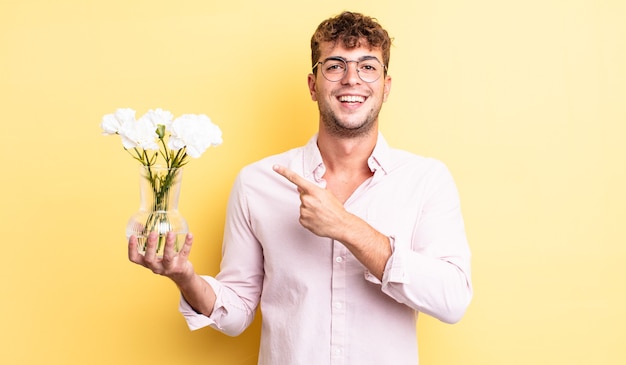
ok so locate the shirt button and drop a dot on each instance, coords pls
(338, 305)
(339, 259)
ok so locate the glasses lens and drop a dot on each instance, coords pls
(334, 69)
(369, 70)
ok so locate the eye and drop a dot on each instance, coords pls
(334, 66)
(368, 66)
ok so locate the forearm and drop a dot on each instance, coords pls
(198, 293)
(369, 246)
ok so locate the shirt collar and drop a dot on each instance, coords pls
(314, 166)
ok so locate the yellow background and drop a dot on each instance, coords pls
(524, 100)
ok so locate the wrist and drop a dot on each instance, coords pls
(185, 279)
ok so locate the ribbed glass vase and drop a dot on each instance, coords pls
(158, 210)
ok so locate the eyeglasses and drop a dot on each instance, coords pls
(334, 69)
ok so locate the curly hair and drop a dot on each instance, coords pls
(352, 30)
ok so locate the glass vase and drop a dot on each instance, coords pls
(158, 209)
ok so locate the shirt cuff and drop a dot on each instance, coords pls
(394, 269)
(197, 320)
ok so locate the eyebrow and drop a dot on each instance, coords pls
(362, 58)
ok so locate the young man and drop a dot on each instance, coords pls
(342, 241)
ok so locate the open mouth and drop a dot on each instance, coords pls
(352, 99)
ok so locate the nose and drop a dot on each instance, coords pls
(351, 76)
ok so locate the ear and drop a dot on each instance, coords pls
(312, 90)
(387, 87)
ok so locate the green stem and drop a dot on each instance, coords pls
(164, 152)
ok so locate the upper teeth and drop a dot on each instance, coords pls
(352, 98)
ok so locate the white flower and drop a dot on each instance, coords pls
(157, 139)
(140, 133)
(196, 132)
(159, 117)
(111, 123)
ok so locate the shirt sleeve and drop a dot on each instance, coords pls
(238, 285)
(229, 315)
(430, 271)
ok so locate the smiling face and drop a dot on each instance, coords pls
(348, 107)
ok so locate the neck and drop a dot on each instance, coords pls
(346, 154)
(345, 160)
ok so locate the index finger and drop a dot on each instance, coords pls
(294, 178)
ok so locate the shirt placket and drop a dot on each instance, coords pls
(338, 306)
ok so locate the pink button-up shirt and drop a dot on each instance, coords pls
(319, 304)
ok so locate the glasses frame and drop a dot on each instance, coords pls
(345, 71)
